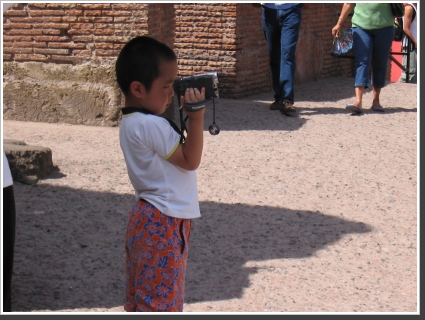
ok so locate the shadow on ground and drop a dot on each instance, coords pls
(312, 98)
(69, 250)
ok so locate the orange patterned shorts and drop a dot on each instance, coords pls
(156, 257)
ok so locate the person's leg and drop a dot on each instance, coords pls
(412, 67)
(382, 41)
(376, 106)
(362, 46)
(359, 91)
(9, 223)
(290, 21)
(271, 29)
(156, 258)
(404, 64)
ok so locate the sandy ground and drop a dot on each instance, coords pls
(316, 213)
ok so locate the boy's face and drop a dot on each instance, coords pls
(161, 93)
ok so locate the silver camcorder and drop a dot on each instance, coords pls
(207, 80)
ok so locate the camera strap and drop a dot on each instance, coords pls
(129, 110)
(183, 130)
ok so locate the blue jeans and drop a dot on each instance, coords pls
(371, 47)
(281, 29)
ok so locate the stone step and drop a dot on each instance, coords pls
(28, 163)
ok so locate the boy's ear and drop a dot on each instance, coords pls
(137, 89)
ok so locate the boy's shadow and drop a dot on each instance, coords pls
(69, 247)
(229, 235)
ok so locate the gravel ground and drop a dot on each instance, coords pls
(315, 213)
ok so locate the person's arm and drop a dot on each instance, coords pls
(407, 21)
(347, 8)
(188, 154)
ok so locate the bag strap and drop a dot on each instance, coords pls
(129, 110)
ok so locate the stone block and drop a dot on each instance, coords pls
(28, 163)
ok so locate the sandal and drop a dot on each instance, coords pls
(353, 108)
(378, 108)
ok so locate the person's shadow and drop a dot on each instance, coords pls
(69, 249)
(227, 236)
(323, 97)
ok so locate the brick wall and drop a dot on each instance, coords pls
(223, 37)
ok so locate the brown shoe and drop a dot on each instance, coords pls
(288, 107)
(275, 105)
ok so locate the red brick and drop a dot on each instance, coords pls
(95, 6)
(30, 57)
(67, 45)
(93, 13)
(14, 13)
(78, 32)
(97, 32)
(47, 13)
(61, 5)
(21, 25)
(32, 44)
(73, 12)
(16, 38)
(52, 25)
(69, 19)
(25, 32)
(82, 25)
(26, 20)
(107, 53)
(51, 51)
(16, 50)
(50, 38)
(116, 13)
(70, 59)
(79, 38)
(129, 6)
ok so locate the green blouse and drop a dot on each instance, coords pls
(369, 16)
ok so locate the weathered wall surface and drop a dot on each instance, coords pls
(59, 58)
(81, 94)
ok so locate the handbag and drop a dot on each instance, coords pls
(397, 9)
(342, 46)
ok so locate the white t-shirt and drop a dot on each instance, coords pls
(7, 175)
(146, 142)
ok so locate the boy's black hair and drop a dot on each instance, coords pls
(139, 60)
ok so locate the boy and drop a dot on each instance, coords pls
(162, 172)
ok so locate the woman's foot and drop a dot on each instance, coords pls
(377, 108)
(354, 108)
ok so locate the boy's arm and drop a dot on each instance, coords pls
(188, 154)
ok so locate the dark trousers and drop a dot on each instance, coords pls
(281, 28)
(9, 221)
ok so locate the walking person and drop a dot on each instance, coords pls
(410, 29)
(9, 226)
(161, 168)
(373, 33)
(8, 233)
(281, 25)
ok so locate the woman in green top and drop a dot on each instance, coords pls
(373, 33)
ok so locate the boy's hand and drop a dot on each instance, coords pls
(192, 95)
